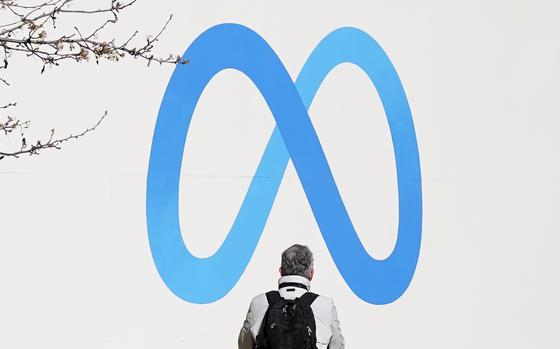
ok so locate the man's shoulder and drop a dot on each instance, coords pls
(259, 301)
(323, 308)
(324, 301)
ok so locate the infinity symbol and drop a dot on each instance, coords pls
(204, 280)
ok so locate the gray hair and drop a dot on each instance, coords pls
(297, 260)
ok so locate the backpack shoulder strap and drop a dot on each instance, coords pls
(273, 297)
(308, 298)
(262, 340)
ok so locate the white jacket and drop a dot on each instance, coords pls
(327, 325)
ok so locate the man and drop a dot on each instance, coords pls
(296, 272)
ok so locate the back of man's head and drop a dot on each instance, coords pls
(297, 260)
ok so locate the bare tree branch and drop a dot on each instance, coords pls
(34, 149)
(32, 32)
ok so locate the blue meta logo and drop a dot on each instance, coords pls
(233, 46)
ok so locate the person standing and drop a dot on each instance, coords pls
(292, 317)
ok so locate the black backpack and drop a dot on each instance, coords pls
(288, 324)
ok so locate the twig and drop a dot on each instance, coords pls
(50, 143)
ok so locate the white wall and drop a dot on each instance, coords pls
(482, 82)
